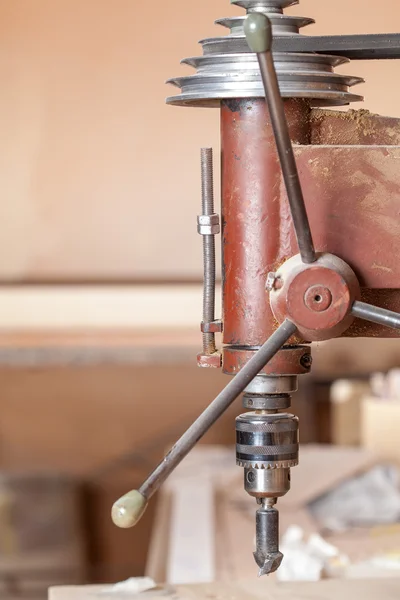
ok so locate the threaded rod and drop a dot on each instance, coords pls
(207, 206)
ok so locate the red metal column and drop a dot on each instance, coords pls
(254, 221)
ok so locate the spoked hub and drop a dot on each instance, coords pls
(317, 297)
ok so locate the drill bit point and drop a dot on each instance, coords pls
(267, 555)
(270, 564)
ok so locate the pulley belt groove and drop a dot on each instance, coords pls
(382, 46)
(355, 47)
(228, 69)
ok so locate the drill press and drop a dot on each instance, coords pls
(309, 235)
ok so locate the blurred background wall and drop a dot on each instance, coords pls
(100, 263)
(97, 172)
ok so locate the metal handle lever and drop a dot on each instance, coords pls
(374, 314)
(127, 511)
(258, 32)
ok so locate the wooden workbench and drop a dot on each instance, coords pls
(371, 589)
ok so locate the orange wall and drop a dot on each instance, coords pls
(99, 177)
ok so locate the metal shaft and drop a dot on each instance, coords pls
(207, 205)
(259, 37)
(381, 316)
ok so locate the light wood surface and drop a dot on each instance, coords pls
(389, 589)
(380, 423)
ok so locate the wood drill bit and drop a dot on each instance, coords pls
(267, 555)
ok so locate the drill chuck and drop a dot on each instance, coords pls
(267, 483)
(267, 441)
(267, 445)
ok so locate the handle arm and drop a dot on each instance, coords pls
(374, 314)
(127, 511)
(258, 32)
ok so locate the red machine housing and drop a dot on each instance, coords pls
(349, 169)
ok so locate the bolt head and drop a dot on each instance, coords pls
(251, 477)
(270, 283)
(306, 361)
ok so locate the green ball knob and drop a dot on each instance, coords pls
(258, 31)
(128, 510)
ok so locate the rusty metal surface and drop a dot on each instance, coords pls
(209, 361)
(353, 197)
(251, 214)
(353, 127)
(317, 298)
(293, 360)
(316, 325)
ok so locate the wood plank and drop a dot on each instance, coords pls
(346, 399)
(247, 590)
(156, 566)
(140, 307)
(88, 349)
(192, 518)
(380, 419)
